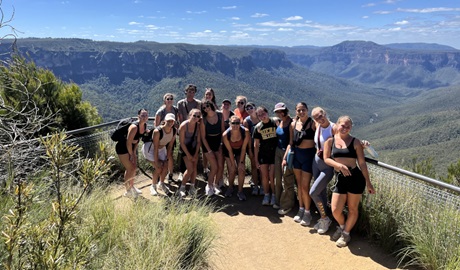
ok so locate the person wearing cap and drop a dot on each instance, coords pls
(250, 122)
(159, 151)
(240, 110)
(284, 177)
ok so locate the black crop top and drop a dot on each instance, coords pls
(303, 134)
(348, 152)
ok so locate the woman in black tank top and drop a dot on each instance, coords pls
(351, 179)
(212, 128)
(127, 151)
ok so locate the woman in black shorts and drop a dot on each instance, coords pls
(212, 128)
(190, 142)
(236, 139)
(265, 143)
(127, 151)
(345, 153)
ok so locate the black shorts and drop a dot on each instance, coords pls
(355, 183)
(236, 152)
(267, 157)
(120, 148)
(214, 143)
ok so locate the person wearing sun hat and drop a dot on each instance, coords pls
(284, 179)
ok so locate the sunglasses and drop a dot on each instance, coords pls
(206, 106)
(241, 102)
(248, 108)
(169, 99)
(197, 116)
(235, 123)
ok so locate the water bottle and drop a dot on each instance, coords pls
(371, 151)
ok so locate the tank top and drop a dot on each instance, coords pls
(237, 144)
(283, 135)
(250, 124)
(138, 134)
(303, 134)
(348, 152)
(216, 129)
(189, 138)
(166, 137)
(325, 134)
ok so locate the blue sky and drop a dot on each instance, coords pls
(239, 22)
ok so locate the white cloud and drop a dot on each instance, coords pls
(134, 23)
(402, 22)
(235, 18)
(285, 29)
(365, 17)
(259, 15)
(196, 12)
(152, 27)
(229, 7)
(207, 31)
(369, 5)
(427, 10)
(383, 12)
(294, 18)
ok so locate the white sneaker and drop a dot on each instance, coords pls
(276, 206)
(284, 211)
(138, 191)
(130, 194)
(306, 219)
(180, 177)
(323, 225)
(298, 217)
(192, 191)
(153, 190)
(209, 190)
(217, 190)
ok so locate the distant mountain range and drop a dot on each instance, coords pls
(400, 95)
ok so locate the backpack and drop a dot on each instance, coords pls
(121, 131)
(148, 137)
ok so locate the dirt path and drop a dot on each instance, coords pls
(253, 236)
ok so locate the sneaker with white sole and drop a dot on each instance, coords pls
(261, 191)
(284, 211)
(192, 191)
(337, 234)
(273, 200)
(306, 219)
(276, 206)
(241, 196)
(217, 190)
(138, 191)
(255, 190)
(153, 190)
(266, 200)
(323, 225)
(131, 194)
(343, 240)
(181, 191)
(170, 178)
(209, 190)
(180, 177)
(298, 217)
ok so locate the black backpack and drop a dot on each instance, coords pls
(148, 136)
(121, 132)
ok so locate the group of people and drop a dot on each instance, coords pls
(285, 152)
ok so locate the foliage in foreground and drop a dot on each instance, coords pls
(62, 217)
(420, 229)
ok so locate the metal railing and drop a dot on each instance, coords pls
(441, 189)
